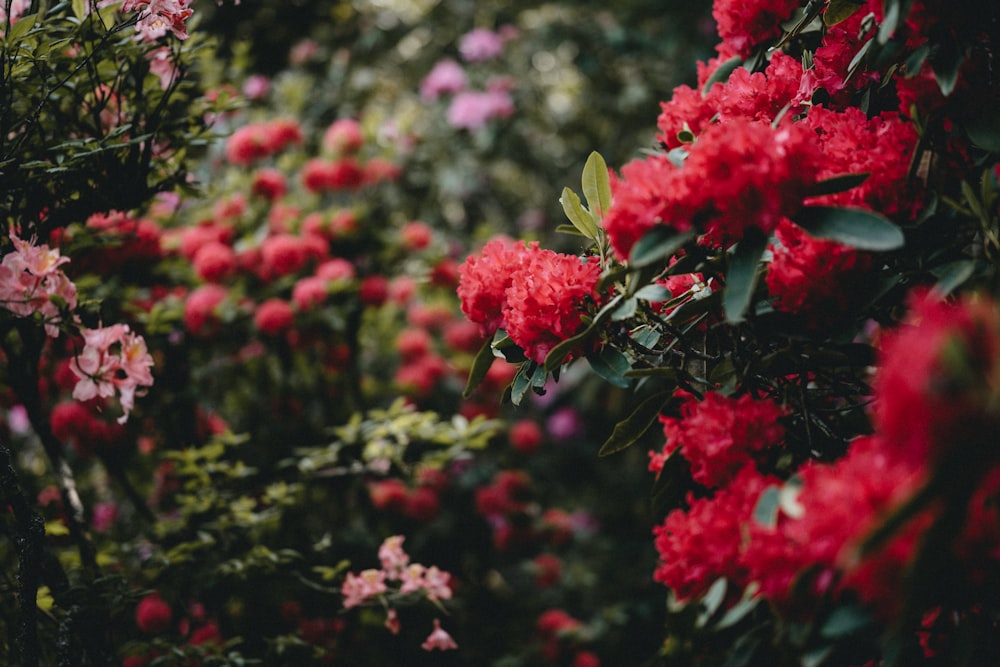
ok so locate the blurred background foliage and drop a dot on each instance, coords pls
(586, 76)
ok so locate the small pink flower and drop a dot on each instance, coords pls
(392, 556)
(438, 639)
(446, 77)
(359, 587)
(473, 109)
(480, 44)
(114, 359)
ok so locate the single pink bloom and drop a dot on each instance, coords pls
(438, 639)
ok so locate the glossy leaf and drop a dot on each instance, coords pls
(741, 279)
(611, 364)
(845, 621)
(658, 244)
(837, 184)
(765, 512)
(840, 10)
(633, 427)
(861, 229)
(579, 216)
(597, 185)
(480, 367)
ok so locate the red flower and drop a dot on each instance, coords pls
(744, 25)
(484, 279)
(199, 309)
(719, 436)
(153, 615)
(812, 277)
(546, 300)
(273, 317)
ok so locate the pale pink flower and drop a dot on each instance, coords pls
(162, 65)
(359, 587)
(158, 17)
(437, 583)
(438, 639)
(394, 559)
(446, 77)
(114, 360)
(412, 578)
(480, 44)
(32, 282)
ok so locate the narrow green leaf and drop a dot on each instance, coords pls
(80, 9)
(721, 73)
(21, 28)
(611, 364)
(711, 601)
(579, 216)
(952, 275)
(658, 244)
(840, 10)
(837, 184)
(844, 621)
(855, 227)
(765, 512)
(597, 185)
(665, 372)
(741, 279)
(625, 310)
(522, 382)
(480, 366)
(633, 427)
(570, 229)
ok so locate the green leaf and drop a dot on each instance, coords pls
(855, 227)
(844, 621)
(658, 244)
(840, 10)
(946, 62)
(611, 364)
(579, 216)
(711, 601)
(765, 512)
(522, 381)
(952, 275)
(633, 427)
(721, 73)
(741, 278)
(654, 294)
(837, 184)
(80, 9)
(625, 310)
(480, 366)
(597, 185)
(984, 130)
(21, 28)
(570, 229)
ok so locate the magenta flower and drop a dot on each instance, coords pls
(446, 77)
(480, 44)
(473, 109)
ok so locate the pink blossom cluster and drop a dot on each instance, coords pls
(32, 282)
(114, 361)
(406, 577)
(158, 17)
(538, 296)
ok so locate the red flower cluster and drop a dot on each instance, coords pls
(259, 140)
(737, 175)
(719, 436)
(538, 296)
(813, 277)
(743, 25)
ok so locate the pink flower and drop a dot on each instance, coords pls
(31, 281)
(480, 44)
(359, 587)
(113, 360)
(199, 309)
(273, 317)
(394, 560)
(343, 137)
(471, 110)
(446, 77)
(438, 639)
(484, 279)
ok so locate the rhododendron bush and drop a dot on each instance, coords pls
(797, 289)
(296, 371)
